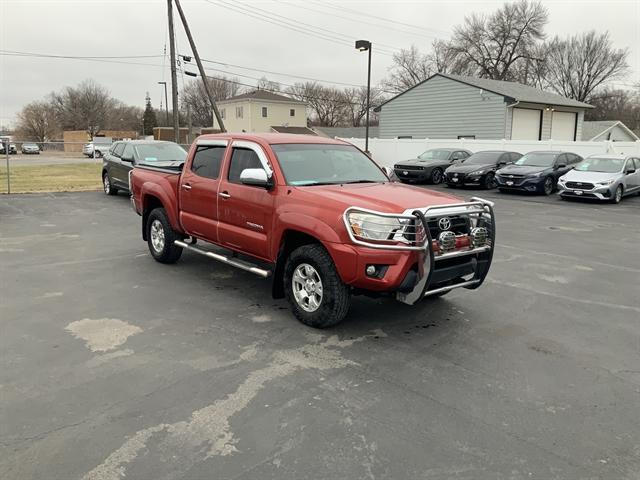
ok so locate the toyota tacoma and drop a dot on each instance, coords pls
(317, 216)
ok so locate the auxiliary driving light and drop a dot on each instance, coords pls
(447, 241)
(478, 236)
(371, 270)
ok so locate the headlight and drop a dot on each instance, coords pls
(535, 175)
(606, 182)
(374, 227)
(478, 172)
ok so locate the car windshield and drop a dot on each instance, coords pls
(537, 159)
(326, 164)
(434, 155)
(161, 152)
(603, 165)
(483, 158)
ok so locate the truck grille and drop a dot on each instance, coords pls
(459, 226)
(459, 176)
(580, 185)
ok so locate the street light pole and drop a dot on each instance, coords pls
(166, 100)
(365, 45)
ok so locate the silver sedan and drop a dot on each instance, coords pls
(602, 177)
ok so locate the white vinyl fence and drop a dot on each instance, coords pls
(387, 151)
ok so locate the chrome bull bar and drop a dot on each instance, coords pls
(480, 214)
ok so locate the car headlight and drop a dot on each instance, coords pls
(478, 172)
(606, 182)
(535, 175)
(374, 227)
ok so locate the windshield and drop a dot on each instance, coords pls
(435, 155)
(603, 165)
(161, 152)
(323, 164)
(537, 159)
(483, 158)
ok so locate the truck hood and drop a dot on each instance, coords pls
(382, 197)
(589, 177)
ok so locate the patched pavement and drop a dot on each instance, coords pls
(115, 366)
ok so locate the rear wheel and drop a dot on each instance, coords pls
(315, 292)
(160, 237)
(617, 195)
(108, 187)
(436, 176)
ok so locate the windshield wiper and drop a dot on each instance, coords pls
(360, 181)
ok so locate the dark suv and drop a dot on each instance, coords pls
(536, 172)
(479, 169)
(122, 157)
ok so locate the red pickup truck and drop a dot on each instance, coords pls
(316, 215)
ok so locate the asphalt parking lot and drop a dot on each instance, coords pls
(116, 366)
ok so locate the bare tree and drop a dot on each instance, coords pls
(194, 97)
(492, 46)
(327, 104)
(616, 104)
(85, 107)
(37, 121)
(355, 106)
(409, 68)
(269, 85)
(577, 66)
(124, 117)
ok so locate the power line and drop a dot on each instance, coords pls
(31, 54)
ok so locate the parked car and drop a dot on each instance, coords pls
(479, 169)
(124, 155)
(30, 148)
(100, 148)
(536, 172)
(429, 165)
(12, 148)
(318, 217)
(602, 177)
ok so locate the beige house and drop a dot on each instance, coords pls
(261, 111)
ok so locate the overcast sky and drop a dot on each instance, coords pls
(119, 28)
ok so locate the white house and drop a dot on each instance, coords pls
(613, 130)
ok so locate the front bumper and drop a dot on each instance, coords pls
(527, 184)
(597, 193)
(464, 179)
(412, 175)
(422, 268)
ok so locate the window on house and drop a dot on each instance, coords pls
(207, 160)
(292, 112)
(239, 112)
(264, 112)
(222, 113)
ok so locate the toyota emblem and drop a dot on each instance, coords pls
(444, 223)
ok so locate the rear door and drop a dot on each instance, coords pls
(632, 180)
(245, 211)
(198, 190)
(112, 159)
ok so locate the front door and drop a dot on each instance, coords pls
(245, 211)
(198, 190)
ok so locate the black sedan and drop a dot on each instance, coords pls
(479, 169)
(536, 172)
(429, 165)
(122, 156)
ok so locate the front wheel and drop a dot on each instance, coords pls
(490, 181)
(315, 292)
(436, 176)
(617, 195)
(548, 186)
(161, 237)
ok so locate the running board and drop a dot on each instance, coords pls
(246, 266)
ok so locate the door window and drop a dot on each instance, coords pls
(637, 161)
(241, 159)
(207, 160)
(117, 150)
(127, 152)
(515, 156)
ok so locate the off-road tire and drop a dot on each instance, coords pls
(169, 253)
(437, 176)
(335, 297)
(107, 185)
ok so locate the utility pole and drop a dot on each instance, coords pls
(174, 76)
(166, 101)
(200, 67)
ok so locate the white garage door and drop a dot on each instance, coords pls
(525, 124)
(563, 126)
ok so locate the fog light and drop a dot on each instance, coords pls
(447, 241)
(478, 236)
(371, 270)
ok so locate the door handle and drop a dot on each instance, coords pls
(186, 186)
(224, 195)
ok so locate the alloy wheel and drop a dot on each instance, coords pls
(548, 186)
(106, 184)
(307, 287)
(157, 236)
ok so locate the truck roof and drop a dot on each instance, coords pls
(274, 138)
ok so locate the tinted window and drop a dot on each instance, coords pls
(117, 150)
(242, 158)
(484, 158)
(637, 160)
(536, 159)
(562, 159)
(128, 151)
(207, 160)
(435, 155)
(629, 165)
(515, 156)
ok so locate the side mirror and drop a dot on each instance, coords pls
(127, 159)
(502, 164)
(630, 171)
(391, 175)
(561, 165)
(255, 177)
